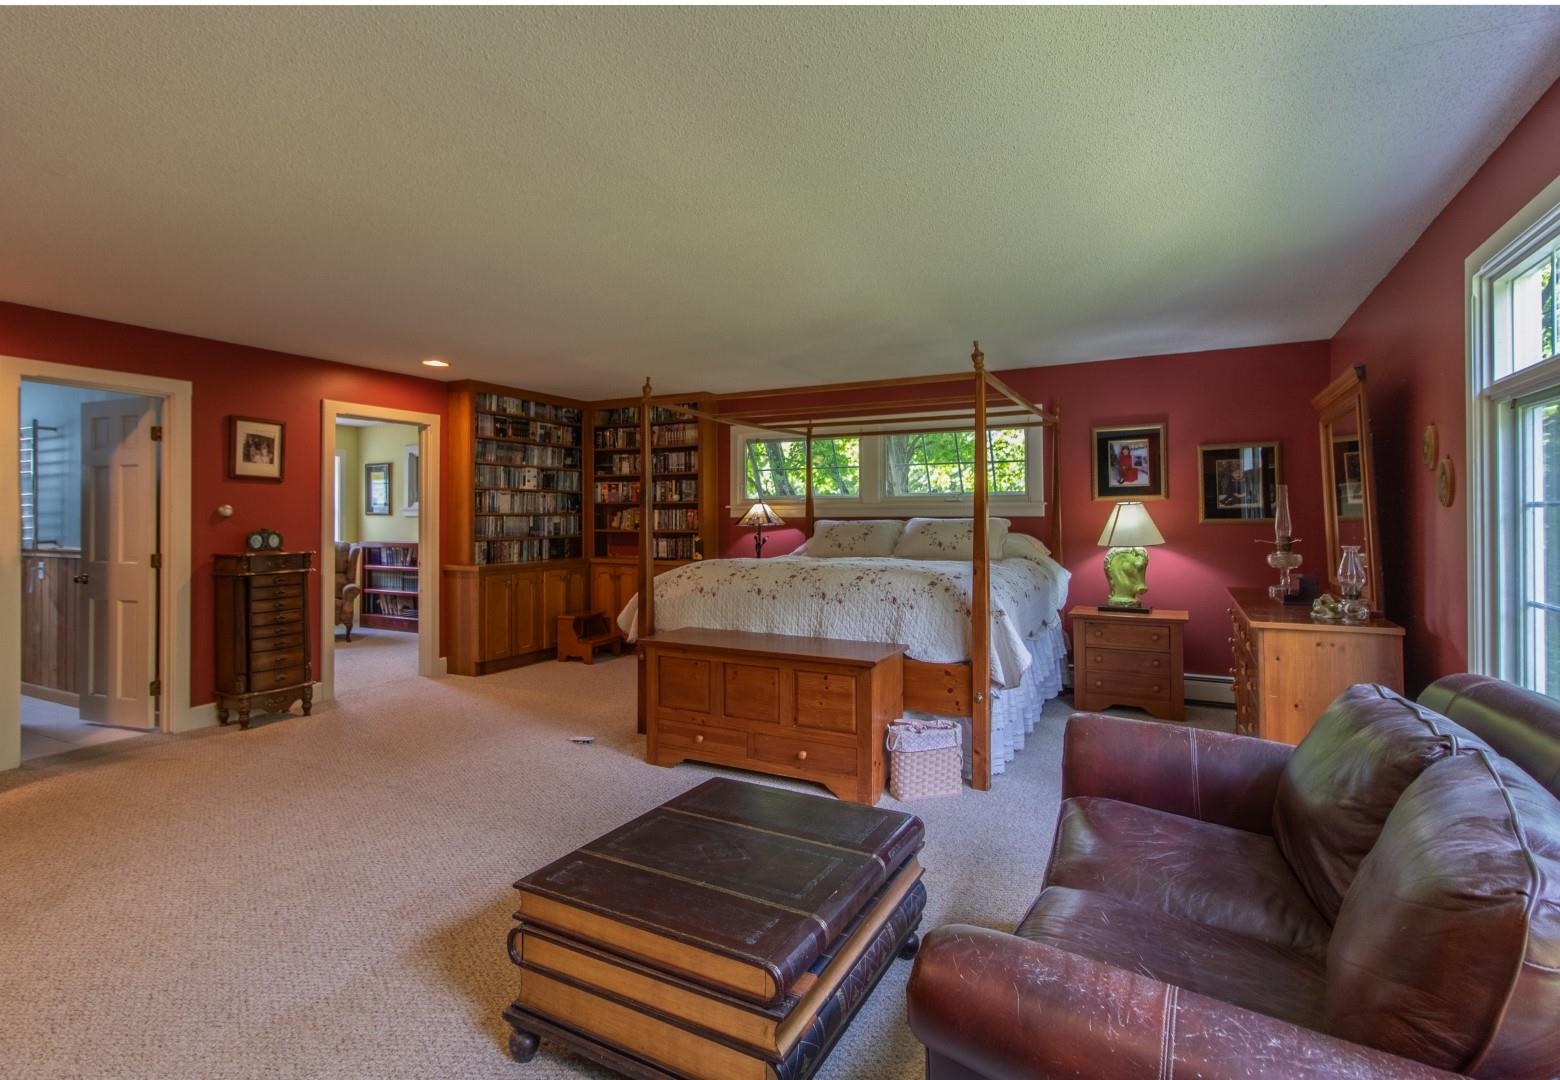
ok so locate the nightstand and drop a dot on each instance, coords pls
(1120, 658)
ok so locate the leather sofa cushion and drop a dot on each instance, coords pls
(1208, 873)
(1344, 779)
(1447, 948)
(1246, 971)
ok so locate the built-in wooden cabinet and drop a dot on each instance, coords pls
(49, 646)
(505, 616)
(1288, 667)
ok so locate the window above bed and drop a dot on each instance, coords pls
(894, 474)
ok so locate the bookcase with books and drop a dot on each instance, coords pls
(390, 577)
(517, 526)
(683, 479)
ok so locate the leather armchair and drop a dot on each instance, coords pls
(1220, 906)
(349, 558)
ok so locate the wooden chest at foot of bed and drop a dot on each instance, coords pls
(812, 708)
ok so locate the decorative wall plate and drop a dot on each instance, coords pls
(1431, 447)
(1446, 482)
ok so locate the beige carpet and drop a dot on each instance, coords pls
(328, 896)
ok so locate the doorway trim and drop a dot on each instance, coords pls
(430, 440)
(174, 525)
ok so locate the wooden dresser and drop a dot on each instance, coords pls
(1289, 667)
(1122, 658)
(263, 660)
(812, 708)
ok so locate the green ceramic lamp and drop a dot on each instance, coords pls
(1129, 532)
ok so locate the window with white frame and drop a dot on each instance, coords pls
(900, 473)
(1514, 450)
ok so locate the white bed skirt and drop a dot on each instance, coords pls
(1014, 711)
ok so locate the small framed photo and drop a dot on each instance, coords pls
(255, 448)
(1238, 482)
(411, 480)
(1129, 462)
(376, 488)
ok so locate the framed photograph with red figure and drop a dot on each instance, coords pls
(1129, 462)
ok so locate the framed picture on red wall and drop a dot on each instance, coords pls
(1129, 462)
(255, 448)
(1238, 482)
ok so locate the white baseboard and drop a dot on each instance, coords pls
(49, 693)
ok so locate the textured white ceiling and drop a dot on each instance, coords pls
(727, 199)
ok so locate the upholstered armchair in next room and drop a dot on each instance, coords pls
(348, 559)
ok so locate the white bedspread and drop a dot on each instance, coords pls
(924, 605)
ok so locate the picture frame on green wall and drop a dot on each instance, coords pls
(376, 488)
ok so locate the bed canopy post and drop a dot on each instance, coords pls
(1054, 428)
(980, 598)
(807, 510)
(646, 521)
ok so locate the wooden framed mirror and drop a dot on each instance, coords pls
(1349, 479)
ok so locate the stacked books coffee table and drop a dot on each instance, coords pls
(730, 933)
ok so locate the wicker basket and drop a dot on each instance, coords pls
(924, 759)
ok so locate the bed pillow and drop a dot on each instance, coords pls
(1024, 546)
(874, 539)
(948, 538)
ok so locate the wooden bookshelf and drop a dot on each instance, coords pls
(391, 576)
(517, 526)
(682, 472)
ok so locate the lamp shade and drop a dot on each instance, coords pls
(760, 514)
(1130, 526)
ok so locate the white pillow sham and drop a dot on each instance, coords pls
(866, 539)
(1024, 546)
(949, 538)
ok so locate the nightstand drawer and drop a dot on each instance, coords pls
(1125, 636)
(1137, 687)
(1130, 661)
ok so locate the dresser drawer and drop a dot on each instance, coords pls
(270, 564)
(1140, 687)
(1121, 636)
(261, 581)
(697, 738)
(273, 680)
(294, 602)
(270, 661)
(286, 617)
(293, 590)
(1131, 662)
(275, 638)
(814, 757)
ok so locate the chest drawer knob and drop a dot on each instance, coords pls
(698, 738)
(801, 755)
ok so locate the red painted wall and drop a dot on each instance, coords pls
(1259, 394)
(227, 380)
(1410, 335)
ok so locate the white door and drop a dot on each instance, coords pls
(117, 605)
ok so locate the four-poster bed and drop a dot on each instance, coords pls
(959, 688)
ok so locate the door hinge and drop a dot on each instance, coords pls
(156, 560)
(155, 688)
(156, 433)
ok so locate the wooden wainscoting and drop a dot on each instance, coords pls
(49, 623)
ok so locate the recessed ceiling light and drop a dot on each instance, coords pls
(434, 361)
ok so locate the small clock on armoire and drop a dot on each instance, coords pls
(264, 540)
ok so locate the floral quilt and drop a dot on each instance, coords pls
(919, 603)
